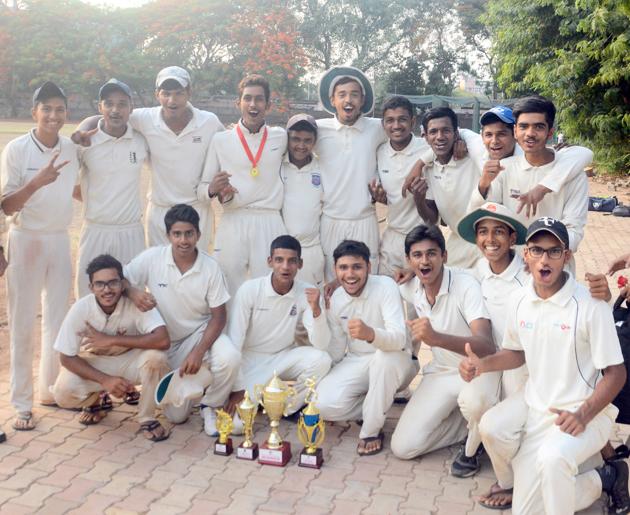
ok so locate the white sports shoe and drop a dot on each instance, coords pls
(209, 421)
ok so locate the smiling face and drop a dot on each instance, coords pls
(300, 145)
(398, 124)
(494, 239)
(50, 116)
(352, 273)
(441, 136)
(285, 264)
(546, 270)
(183, 237)
(115, 108)
(253, 106)
(427, 262)
(498, 138)
(347, 99)
(106, 285)
(174, 102)
(532, 132)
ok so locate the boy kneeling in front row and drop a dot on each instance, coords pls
(107, 346)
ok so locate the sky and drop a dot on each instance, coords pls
(117, 3)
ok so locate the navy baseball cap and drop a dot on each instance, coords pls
(550, 225)
(48, 90)
(113, 85)
(502, 113)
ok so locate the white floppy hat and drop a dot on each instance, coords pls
(333, 75)
(176, 390)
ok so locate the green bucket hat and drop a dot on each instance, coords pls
(494, 211)
(332, 76)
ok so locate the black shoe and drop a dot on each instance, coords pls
(3, 436)
(466, 466)
(619, 500)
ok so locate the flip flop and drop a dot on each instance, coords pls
(151, 425)
(380, 437)
(92, 415)
(132, 398)
(24, 422)
(500, 491)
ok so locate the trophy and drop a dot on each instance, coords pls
(274, 398)
(311, 430)
(247, 410)
(223, 444)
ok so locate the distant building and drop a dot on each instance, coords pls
(470, 84)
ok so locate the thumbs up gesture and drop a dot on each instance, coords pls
(470, 366)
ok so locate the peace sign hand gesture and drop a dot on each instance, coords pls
(49, 173)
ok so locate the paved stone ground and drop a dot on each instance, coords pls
(64, 467)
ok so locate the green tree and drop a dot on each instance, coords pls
(577, 53)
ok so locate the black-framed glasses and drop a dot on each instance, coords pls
(553, 252)
(114, 284)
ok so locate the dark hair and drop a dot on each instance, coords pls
(493, 118)
(172, 85)
(398, 101)
(181, 213)
(352, 248)
(425, 232)
(286, 242)
(439, 112)
(346, 80)
(535, 104)
(303, 125)
(103, 262)
(254, 80)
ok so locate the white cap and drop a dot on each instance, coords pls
(173, 73)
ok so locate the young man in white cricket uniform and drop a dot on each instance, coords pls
(346, 147)
(188, 288)
(303, 194)
(534, 118)
(450, 313)
(568, 340)
(263, 321)
(242, 169)
(178, 136)
(107, 345)
(394, 160)
(110, 185)
(369, 347)
(39, 172)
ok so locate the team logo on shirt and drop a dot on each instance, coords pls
(133, 159)
(526, 325)
(515, 193)
(562, 326)
(383, 171)
(162, 285)
(196, 139)
(293, 311)
(316, 179)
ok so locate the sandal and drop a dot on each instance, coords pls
(132, 398)
(24, 421)
(496, 490)
(91, 415)
(106, 401)
(149, 427)
(369, 439)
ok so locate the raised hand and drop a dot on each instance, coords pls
(360, 331)
(470, 366)
(377, 191)
(312, 297)
(50, 172)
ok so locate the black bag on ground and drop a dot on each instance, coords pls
(621, 314)
(603, 204)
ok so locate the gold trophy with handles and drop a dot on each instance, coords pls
(276, 398)
(247, 410)
(311, 429)
(225, 424)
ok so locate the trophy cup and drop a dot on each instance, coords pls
(223, 444)
(311, 430)
(274, 398)
(247, 410)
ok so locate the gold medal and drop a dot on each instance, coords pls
(254, 172)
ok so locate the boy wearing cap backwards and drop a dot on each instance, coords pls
(178, 136)
(568, 340)
(451, 312)
(242, 170)
(110, 184)
(303, 193)
(369, 348)
(394, 160)
(39, 171)
(107, 345)
(188, 288)
(346, 147)
(263, 321)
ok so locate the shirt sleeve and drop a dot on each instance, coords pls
(605, 347)
(511, 337)
(570, 162)
(476, 148)
(11, 170)
(575, 210)
(338, 337)
(471, 302)
(240, 315)
(137, 270)
(211, 167)
(317, 328)
(149, 321)
(393, 337)
(68, 341)
(217, 293)
(136, 118)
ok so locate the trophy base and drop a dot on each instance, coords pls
(313, 461)
(223, 449)
(277, 457)
(247, 453)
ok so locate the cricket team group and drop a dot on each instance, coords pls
(525, 360)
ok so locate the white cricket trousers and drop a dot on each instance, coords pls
(223, 360)
(335, 230)
(124, 242)
(293, 364)
(156, 230)
(242, 243)
(391, 254)
(362, 386)
(39, 273)
(141, 367)
(433, 417)
(312, 271)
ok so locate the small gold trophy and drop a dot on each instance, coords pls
(247, 410)
(311, 429)
(274, 398)
(223, 444)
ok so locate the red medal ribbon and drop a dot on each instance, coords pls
(253, 160)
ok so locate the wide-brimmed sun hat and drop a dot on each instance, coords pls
(333, 75)
(467, 226)
(175, 390)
